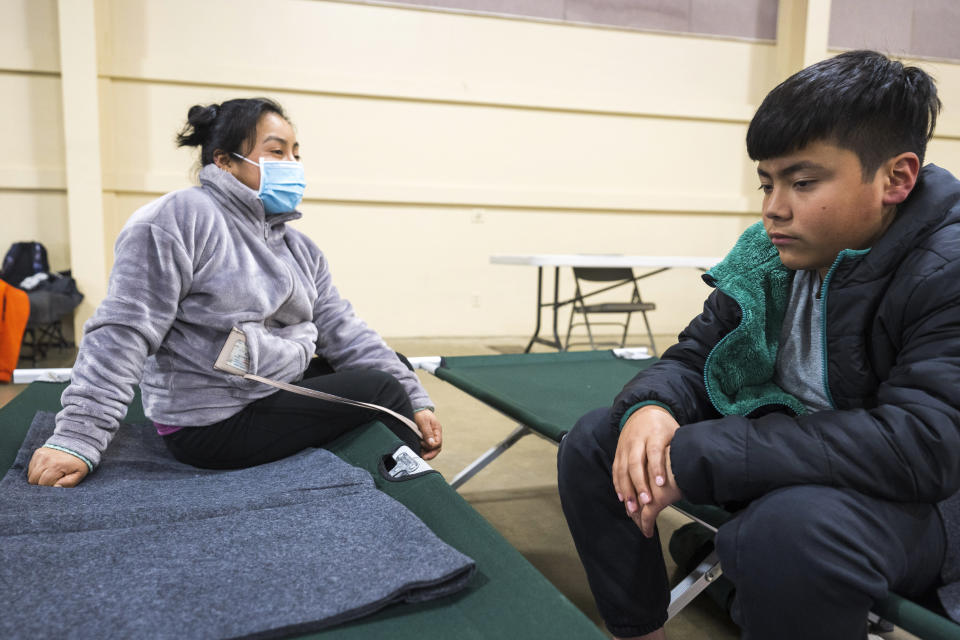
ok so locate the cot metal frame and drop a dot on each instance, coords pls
(681, 595)
(692, 585)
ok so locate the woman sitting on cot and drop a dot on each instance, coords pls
(199, 262)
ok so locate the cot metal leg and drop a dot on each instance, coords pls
(477, 465)
(699, 521)
(681, 595)
(691, 586)
(876, 624)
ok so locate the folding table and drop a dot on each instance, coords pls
(653, 264)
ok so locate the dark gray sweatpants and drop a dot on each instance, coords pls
(807, 561)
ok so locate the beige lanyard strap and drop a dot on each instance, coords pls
(235, 359)
(329, 397)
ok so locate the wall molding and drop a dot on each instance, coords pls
(33, 179)
(43, 73)
(451, 93)
(387, 194)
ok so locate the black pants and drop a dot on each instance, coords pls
(807, 561)
(284, 423)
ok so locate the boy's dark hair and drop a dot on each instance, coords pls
(860, 100)
(225, 126)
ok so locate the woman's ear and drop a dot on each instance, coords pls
(223, 160)
(901, 173)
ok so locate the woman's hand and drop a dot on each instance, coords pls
(53, 468)
(642, 476)
(432, 433)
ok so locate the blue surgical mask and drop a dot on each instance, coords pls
(281, 184)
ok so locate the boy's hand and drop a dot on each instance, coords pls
(661, 498)
(642, 476)
(432, 433)
(53, 468)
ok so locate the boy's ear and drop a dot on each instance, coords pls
(900, 175)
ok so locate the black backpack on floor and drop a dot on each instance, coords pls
(23, 259)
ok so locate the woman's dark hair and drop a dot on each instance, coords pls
(229, 126)
(860, 100)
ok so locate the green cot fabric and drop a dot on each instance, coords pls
(919, 621)
(547, 392)
(507, 598)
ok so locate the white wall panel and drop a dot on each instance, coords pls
(442, 282)
(345, 48)
(32, 132)
(432, 140)
(30, 40)
(28, 215)
(358, 149)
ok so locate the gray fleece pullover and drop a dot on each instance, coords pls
(189, 267)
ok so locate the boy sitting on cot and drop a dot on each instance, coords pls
(818, 394)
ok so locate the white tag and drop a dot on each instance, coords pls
(632, 353)
(407, 463)
(234, 357)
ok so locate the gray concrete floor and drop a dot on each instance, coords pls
(517, 493)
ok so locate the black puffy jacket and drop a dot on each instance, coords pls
(892, 351)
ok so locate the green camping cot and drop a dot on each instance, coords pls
(546, 393)
(507, 597)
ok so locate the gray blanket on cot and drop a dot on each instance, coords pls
(149, 547)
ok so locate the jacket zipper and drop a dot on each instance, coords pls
(823, 327)
(823, 315)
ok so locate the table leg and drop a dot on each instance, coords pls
(556, 307)
(556, 304)
(536, 329)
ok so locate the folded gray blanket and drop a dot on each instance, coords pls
(149, 547)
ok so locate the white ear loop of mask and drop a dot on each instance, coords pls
(281, 184)
(246, 159)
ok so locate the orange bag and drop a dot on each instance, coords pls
(14, 313)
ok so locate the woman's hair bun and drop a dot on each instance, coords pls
(200, 115)
(227, 126)
(199, 120)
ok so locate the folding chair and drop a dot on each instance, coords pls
(50, 303)
(620, 277)
(44, 328)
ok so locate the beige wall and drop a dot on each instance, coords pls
(32, 181)
(431, 140)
